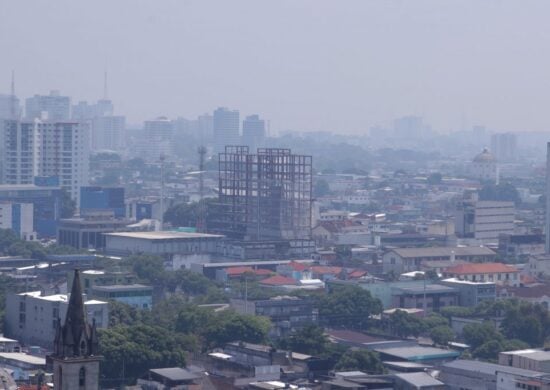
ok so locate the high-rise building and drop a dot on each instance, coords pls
(253, 131)
(19, 218)
(10, 107)
(484, 220)
(264, 196)
(53, 107)
(226, 128)
(46, 201)
(157, 139)
(504, 146)
(206, 127)
(85, 111)
(108, 132)
(46, 148)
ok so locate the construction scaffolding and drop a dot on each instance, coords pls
(264, 196)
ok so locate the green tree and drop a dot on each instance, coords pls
(361, 360)
(187, 214)
(442, 334)
(348, 305)
(137, 348)
(435, 178)
(321, 188)
(227, 326)
(192, 318)
(476, 335)
(405, 325)
(310, 340)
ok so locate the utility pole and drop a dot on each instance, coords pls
(201, 223)
(162, 158)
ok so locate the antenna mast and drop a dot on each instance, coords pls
(13, 109)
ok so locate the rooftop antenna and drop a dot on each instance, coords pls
(12, 96)
(105, 94)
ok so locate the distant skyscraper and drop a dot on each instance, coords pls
(157, 139)
(253, 131)
(108, 132)
(226, 128)
(409, 127)
(9, 107)
(46, 148)
(504, 146)
(85, 111)
(55, 106)
(206, 127)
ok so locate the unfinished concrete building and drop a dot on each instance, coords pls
(265, 200)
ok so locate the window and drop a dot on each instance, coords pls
(83, 348)
(82, 377)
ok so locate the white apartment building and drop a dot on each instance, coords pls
(484, 220)
(31, 317)
(46, 148)
(19, 218)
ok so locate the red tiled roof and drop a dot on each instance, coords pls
(480, 268)
(278, 280)
(320, 269)
(262, 272)
(297, 266)
(236, 271)
(357, 273)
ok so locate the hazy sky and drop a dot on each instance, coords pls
(305, 64)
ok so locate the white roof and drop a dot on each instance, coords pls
(220, 355)
(164, 235)
(23, 357)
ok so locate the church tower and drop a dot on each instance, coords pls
(76, 347)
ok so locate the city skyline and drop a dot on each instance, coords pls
(332, 68)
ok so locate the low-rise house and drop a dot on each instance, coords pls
(520, 246)
(414, 353)
(471, 293)
(431, 297)
(417, 381)
(402, 260)
(170, 378)
(528, 359)
(536, 293)
(136, 295)
(287, 313)
(279, 281)
(498, 273)
(476, 375)
(22, 365)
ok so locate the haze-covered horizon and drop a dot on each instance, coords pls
(307, 65)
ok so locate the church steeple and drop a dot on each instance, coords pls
(76, 338)
(76, 346)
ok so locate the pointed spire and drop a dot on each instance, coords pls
(75, 327)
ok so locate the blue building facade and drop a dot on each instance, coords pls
(46, 202)
(103, 198)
